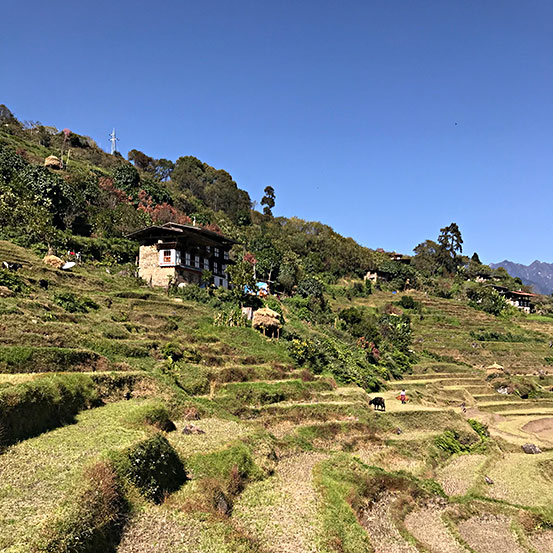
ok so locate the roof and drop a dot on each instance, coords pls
(174, 230)
(521, 293)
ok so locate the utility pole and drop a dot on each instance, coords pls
(113, 139)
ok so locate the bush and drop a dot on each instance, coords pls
(486, 299)
(153, 466)
(12, 281)
(72, 303)
(192, 292)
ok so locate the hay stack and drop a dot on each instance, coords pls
(267, 320)
(494, 370)
(53, 162)
(54, 261)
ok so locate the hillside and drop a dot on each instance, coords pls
(278, 458)
(138, 419)
(538, 274)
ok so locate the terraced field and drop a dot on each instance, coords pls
(271, 459)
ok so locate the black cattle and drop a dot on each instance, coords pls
(378, 403)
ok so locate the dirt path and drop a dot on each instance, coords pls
(282, 511)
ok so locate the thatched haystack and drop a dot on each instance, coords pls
(54, 261)
(268, 321)
(53, 162)
(494, 370)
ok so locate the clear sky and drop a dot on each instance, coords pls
(385, 119)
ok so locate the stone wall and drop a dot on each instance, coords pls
(149, 269)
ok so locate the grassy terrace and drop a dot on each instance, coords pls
(279, 459)
(38, 474)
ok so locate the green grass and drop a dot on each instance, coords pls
(40, 473)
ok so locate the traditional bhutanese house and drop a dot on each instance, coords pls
(180, 253)
(517, 298)
(520, 299)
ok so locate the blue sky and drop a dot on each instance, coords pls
(384, 119)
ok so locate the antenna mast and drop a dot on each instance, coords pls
(113, 139)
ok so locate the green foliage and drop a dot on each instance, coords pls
(192, 292)
(311, 286)
(348, 365)
(241, 274)
(127, 178)
(396, 330)
(23, 359)
(480, 428)
(153, 466)
(454, 441)
(33, 407)
(360, 322)
(408, 302)
(12, 281)
(398, 275)
(486, 298)
(268, 201)
(231, 316)
(154, 414)
(72, 303)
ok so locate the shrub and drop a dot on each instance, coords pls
(12, 281)
(480, 428)
(193, 292)
(155, 414)
(486, 299)
(72, 303)
(153, 466)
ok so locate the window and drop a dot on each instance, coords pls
(216, 252)
(197, 261)
(208, 249)
(166, 257)
(206, 263)
(225, 255)
(187, 261)
(216, 268)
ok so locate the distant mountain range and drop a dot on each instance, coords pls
(539, 275)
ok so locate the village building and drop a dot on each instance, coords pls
(178, 254)
(517, 298)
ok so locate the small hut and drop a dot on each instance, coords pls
(268, 321)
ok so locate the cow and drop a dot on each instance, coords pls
(378, 403)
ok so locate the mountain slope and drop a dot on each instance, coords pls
(538, 274)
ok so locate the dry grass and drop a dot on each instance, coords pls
(518, 479)
(36, 475)
(218, 433)
(282, 511)
(383, 534)
(490, 534)
(542, 542)
(459, 475)
(427, 526)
